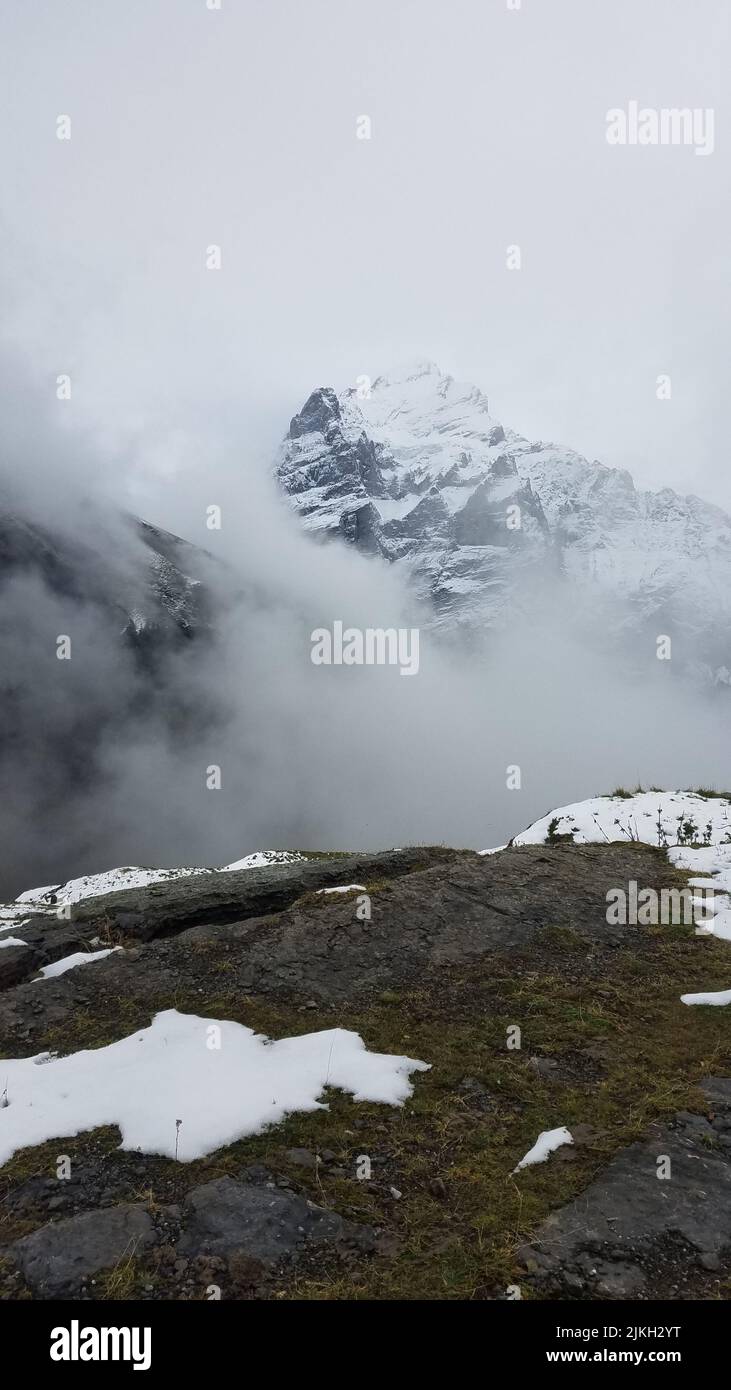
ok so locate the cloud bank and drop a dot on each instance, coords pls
(104, 763)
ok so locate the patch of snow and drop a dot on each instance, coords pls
(12, 941)
(721, 996)
(13, 917)
(263, 857)
(186, 1086)
(60, 967)
(346, 888)
(635, 817)
(395, 508)
(94, 885)
(545, 1144)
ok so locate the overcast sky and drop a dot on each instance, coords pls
(340, 256)
(194, 127)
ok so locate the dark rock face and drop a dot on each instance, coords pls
(482, 520)
(166, 909)
(164, 600)
(135, 608)
(319, 412)
(57, 1259)
(361, 527)
(221, 1218)
(430, 517)
(16, 963)
(226, 1217)
(600, 1242)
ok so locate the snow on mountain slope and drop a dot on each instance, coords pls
(667, 819)
(49, 898)
(115, 880)
(95, 885)
(694, 829)
(148, 582)
(419, 472)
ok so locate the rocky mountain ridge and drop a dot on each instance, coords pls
(146, 581)
(413, 467)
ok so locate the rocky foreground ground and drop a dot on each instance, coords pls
(459, 950)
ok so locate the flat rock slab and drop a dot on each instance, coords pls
(447, 915)
(57, 1259)
(431, 909)
(162, 909)
(599, 1243)
(225, 1218)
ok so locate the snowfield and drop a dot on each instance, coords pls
(671, 819)
(187, 1086)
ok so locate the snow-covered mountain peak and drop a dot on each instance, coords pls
(412, 465)
(419, 402)
(413, 370)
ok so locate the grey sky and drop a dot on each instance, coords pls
(192, 127)
(343, 256)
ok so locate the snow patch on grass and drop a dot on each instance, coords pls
(187, 1086)
(545, 1144)
(721, 996)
